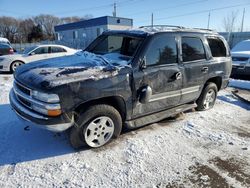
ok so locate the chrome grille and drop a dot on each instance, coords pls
(22, 88)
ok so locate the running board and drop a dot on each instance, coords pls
(149, 119)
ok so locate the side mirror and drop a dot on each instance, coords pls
(32, 53)
(142, 63)
(145, 94)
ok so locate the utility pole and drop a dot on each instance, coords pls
(152, 20)
(208, 21)
(114, 12)
(242, 22)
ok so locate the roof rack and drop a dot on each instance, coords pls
(162, 26)
(204, 29)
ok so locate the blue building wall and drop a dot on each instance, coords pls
(80, 34)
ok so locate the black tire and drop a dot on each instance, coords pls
(77, 134)
(202, 102)
(12, 66)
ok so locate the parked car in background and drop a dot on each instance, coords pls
(241, 59)
(4, 40)
(35, 53)
(6, 49)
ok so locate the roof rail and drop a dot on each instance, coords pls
(163, 26)
(204, 29)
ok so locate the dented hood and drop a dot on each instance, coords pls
(63, 70)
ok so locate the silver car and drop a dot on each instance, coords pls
(241, 59)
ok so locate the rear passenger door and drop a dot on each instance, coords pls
(195, 65)
(56, 51)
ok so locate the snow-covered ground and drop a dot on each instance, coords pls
(208, 148)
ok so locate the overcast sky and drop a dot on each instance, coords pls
(189, 13)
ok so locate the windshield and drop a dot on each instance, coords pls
(116, 44)
(28, 50)
(242, 46)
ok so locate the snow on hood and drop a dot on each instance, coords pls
(77, 67)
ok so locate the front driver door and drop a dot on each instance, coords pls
(162, 74)
(38, 54)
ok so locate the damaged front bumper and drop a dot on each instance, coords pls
(55, 124)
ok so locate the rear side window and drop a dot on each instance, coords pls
(162, 50)
(57, 50)
(217, 47)
(192, 49)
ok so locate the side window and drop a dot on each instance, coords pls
(192, 49)
(162, 50)
(57, 50)
(41, 50)
(217, 47)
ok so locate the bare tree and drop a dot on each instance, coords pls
(229, 22)
(9, 28)
(25, 27)
(47, 22)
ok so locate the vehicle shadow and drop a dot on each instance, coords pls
(234, 101)
(20, 143)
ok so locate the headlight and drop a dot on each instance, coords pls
(44, 97)
(49, 110)
(1, 59)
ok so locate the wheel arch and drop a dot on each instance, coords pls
(217, 80)
(16, 60)
(116, 101)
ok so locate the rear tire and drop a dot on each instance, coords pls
(207, 98)
(96, 126)
(14, 65)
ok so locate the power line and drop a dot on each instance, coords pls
(118, 3)
(199, 12)
(170, 7)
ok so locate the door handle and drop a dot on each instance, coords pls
(204, 69)
(178, 76)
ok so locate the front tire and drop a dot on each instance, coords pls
(96, 126)
(207, 98)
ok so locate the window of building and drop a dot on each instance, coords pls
(217, 47)
(99, 31)
(192, 49)
(75, 34)
(162, 50)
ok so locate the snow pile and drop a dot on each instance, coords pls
(6, 82)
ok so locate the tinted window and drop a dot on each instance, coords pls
(42, 50)
(192, 49)
(217, 47)
(162, 50)
(57, 50)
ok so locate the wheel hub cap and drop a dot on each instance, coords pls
(209, 99)
(99, 131)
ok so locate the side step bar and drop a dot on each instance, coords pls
(149, 119)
